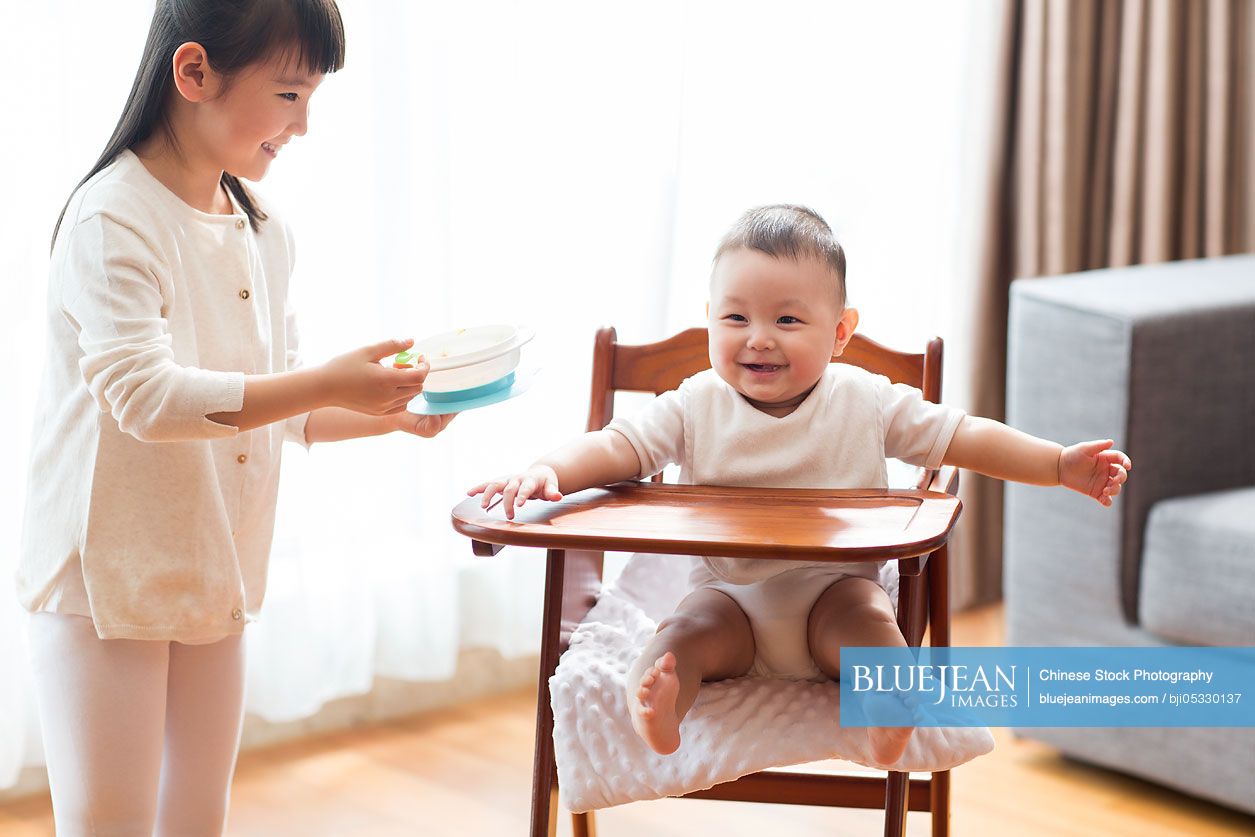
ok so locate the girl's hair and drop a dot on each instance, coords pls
(235, 34)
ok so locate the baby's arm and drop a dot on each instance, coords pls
(991, 448)
(598, 458)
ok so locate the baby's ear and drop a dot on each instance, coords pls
(845, 328)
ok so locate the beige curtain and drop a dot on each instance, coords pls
(1125, 135)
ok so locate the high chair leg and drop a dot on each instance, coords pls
(584, 825)
(895, 804)
(939, 636)
(544, 769)
(911, 605)
(939, 803)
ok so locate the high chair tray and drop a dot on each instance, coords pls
(789, 524)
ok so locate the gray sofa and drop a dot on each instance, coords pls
(1160, 358)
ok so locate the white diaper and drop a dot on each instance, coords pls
(779, 610)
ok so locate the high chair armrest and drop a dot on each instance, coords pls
(944, 480)
(483, 549)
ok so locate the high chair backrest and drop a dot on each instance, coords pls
(662, 366)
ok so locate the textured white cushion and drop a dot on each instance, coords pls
(736, 726)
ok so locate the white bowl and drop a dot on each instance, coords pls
(471, 357)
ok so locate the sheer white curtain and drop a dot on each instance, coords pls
(563, 165)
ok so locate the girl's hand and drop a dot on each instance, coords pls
(1093, 469)
(357, 381)
(425, 426)
(538, 481)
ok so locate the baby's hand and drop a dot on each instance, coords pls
(1094, 470)
(539, 481)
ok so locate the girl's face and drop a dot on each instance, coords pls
(262, 107)
(774, 326)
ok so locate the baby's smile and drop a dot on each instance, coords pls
(763, 368)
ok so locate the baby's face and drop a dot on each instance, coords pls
(773, 326)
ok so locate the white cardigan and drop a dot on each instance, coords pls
(141, 512)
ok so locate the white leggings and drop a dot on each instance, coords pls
(140, 735)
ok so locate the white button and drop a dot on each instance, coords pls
(237, 614)
(239, 225)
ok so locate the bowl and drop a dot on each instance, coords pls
(467, 359)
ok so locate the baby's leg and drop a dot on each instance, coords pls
(707, 638)
(857, 612)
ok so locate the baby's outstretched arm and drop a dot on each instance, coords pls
(991, 448)
(598, 458)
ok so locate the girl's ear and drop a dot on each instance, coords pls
(845, 329)
(195, 80)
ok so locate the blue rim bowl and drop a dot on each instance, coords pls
(480, 391)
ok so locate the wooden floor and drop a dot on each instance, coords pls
(467, 771)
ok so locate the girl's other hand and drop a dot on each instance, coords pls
(1094, 469)
(425, 426)
(357, 381)
(538, 481)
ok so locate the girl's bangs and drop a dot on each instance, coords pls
(308, 33)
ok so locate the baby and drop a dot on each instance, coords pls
(773, 412)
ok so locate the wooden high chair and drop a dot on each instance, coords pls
(574, 570)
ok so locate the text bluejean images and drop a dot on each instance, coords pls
(1048, 687)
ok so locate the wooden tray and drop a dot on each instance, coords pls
(788, 524)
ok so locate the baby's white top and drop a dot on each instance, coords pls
(838, 437)
(141, 512)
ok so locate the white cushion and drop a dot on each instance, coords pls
(736, 727)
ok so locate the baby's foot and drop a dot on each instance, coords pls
(653, 710)
(887, 743)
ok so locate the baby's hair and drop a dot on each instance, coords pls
(787, 231)
(235, 34)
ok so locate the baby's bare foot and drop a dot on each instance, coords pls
(653, 710)
(888, 743)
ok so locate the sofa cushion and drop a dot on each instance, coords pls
(1198, 569)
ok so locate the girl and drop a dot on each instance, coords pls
(172, 377)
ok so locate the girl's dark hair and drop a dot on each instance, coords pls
(235, 35)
